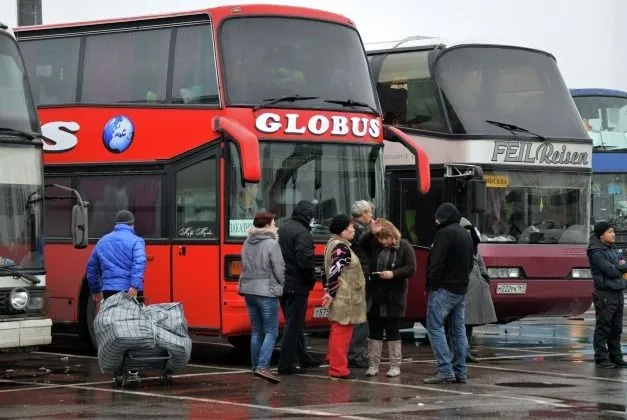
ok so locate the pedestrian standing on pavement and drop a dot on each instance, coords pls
(118, 261)
(362, 218)
(607, 266)
(479, 305)
(392, 262)
(345, 294)
(449, 267)
(296, 244)
(261, 284)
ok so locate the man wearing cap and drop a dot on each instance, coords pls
(118, 261)
(607, 265)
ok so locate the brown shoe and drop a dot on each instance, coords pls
(267, 375)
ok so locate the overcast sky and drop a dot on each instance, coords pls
(587, 37)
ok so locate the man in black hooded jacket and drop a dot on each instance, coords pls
(449, 266)
(607, 266)
(296, 244)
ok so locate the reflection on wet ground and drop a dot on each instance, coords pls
(538, 368)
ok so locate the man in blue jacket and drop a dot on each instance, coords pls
(118, 261)
(607, 266)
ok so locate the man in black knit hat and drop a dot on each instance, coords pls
(118, 261)
(607, 266)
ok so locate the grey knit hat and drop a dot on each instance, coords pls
(124, 217)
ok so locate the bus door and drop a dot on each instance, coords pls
(414, 217)
(195, 249)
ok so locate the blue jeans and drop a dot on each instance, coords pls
(443, 303)
(264, 317)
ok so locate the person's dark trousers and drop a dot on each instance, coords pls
(608, 307)
(358, 351)
(293, 347)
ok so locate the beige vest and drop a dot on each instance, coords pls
(349, 305)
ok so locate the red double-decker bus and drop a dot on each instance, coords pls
(194, 121)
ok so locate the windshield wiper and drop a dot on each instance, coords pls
(351, 103)
(29, 136)
(514, 128)
(18, 275)
(286, 98)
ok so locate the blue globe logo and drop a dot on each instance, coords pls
(118, 134)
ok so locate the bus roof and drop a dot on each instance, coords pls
(420, 42)
(598, 92)
(219, 13)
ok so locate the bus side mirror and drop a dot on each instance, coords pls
(477, 195)
(79, 226)
(423, 171)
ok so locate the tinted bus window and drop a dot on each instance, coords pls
(406, 92)
(126, 67)
(141, 194)
(196, 201)
(58, 210)
(52, 66)
(194, 80)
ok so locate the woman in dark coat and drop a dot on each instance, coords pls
(392, 262)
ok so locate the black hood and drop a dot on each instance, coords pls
(303, 212)
(595, 243)
(447, 214)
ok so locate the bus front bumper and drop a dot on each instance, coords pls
(25, 333)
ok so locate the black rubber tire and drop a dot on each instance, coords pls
(90, 315)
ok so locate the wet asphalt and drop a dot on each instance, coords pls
(536, 368)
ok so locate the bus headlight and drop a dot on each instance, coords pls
(581, 273)
(18, 298)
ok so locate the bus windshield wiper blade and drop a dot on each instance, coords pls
(286, 98)
(29, 136)
(351, 103)
(18, 275)
(514, 128)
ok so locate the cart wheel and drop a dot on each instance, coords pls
(118, 380)
(124, 381)
(166, 379)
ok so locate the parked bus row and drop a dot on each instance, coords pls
(218, 113)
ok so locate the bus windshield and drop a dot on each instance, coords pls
(17, 111)
(605, 118)
(332, 176)
(266, 58)
(507, 85)
(21, 206)
(536, 207)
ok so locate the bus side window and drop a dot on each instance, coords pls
(194, 80)
(196, 200)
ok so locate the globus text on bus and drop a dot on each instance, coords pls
(336, 125)
(545, 153)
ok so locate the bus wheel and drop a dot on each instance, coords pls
(241, 343)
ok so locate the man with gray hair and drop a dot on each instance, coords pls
(362, 217)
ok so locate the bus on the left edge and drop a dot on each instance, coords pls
(23, 321)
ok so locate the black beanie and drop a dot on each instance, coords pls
(339, 223)
(124, 217)
(601, 227)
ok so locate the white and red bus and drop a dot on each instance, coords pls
(23, 320)
(502, 112)
(193, 121)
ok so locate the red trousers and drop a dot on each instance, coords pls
(339, 343)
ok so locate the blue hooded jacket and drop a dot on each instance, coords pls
(118, 261)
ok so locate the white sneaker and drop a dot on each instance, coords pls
(394, 371)
(372, 371)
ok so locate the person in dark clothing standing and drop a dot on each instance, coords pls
(392, 262)
(362, 217)
(296, 245)
(607, 266)
(450, 263)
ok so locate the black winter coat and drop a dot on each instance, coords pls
(452, 254)
(604, 265)
(389, 297)
(360, 230)
(296, 245)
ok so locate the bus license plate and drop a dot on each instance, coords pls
(511, 289)
(321, 312)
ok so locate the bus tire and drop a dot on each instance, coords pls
(90, 315)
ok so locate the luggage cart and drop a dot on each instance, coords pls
(141, 360)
